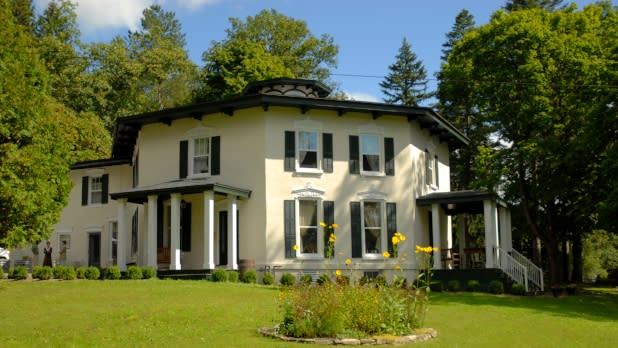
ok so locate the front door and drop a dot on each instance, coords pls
(223, 238)
(94, 249)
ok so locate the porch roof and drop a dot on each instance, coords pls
(459, 202)
(183, 186)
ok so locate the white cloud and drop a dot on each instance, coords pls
(101, 15)
(361, 96)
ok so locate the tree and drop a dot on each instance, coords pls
(464, 22)
(538, 77)
(516, 5)
(23, 11)
(268, 45)
(406, 82)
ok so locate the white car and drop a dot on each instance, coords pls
(4, 254)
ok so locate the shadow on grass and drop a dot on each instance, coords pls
(592, 306)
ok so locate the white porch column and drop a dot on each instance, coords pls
(175, 233)
(121, 256)
(209, 228)
(435, 222)
(151, 233)
(232, 239)
(491, 232)
(506, 236)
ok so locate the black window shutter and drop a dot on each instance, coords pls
(289, 227)
(185, 237)
(85, 189)
(357, 235)
(105, 188)
(435, 170)
(329, 219)
(354, 154)
(215, 155)
(391, 223)
(327, 149)
(183, 159)
(290, 152)
(389, 156)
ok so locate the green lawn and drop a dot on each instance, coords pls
(158, 313)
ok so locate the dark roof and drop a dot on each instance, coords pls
(127, 128)
(183, 186)
(101, 163)
(255, 87)
(457, 202)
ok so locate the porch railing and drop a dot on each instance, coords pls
(535, 273)
(511, 267)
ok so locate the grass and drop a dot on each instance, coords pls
(158, 313)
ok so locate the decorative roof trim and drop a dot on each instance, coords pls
(101, 163)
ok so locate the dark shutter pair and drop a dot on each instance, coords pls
(289, 163)
(389, 155)
(86, 189)
(289, 224)
(356, 224)
(215, 157)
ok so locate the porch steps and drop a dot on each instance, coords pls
(483, 275)
(185, 274)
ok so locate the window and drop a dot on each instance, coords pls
(65, 238)
(308, 149)
(201, 155)
(308, 226)
(372, 227)
(431, 169)
(94, 189)
(370, 153)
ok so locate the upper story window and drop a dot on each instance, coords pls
(431, 169)
(95, 188)
(200, 154)
(370, 152)
(308, 151)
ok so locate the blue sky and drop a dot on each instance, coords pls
(368, 32)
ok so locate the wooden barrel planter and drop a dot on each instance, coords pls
(246, 265)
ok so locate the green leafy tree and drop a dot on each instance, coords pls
(516, 5)
(268, 45)
(23, 11)
(406, 82)
(537, 78)
(600, 254)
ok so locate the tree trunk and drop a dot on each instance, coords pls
(536, 252)
(566, 252)
(553, 254)
(578, 264)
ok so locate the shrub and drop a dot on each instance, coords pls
(343, 280)
(149, 272)
(380, 280)
(453, 285)
(232, 276)
(518, 289)
(496, 287)
(268, 279)
(92, 273)
(58, 270)
(42, 272)
(80, 272)
(69, 273)
(249, 277)
(1, 273)
(436, 286)
(473, 285)
(306, 279)
(134, 272)
(219, 275)
(400, 282)
(18, 273)
(323, 279)
(287, 279)
(112, 273)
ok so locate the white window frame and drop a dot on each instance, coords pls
(91, 182)
(382, 228)
(319, 254)
(192, 156)
(380, 153)
(318, 151)
(431, 169)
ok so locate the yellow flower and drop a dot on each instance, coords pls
(333, 226)
(332, 237)
(395, 240)
(402, 236)
(338, 273)
(386, 254)
(323, 224)
(295, 247)
(348, 262)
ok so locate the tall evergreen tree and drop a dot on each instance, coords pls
(515, 5)
(406, 82)
(464, 22)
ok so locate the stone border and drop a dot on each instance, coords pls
(423, 335)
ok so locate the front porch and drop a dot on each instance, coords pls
(176, 212)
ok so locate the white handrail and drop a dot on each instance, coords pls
(535, 272)
(511, 267)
